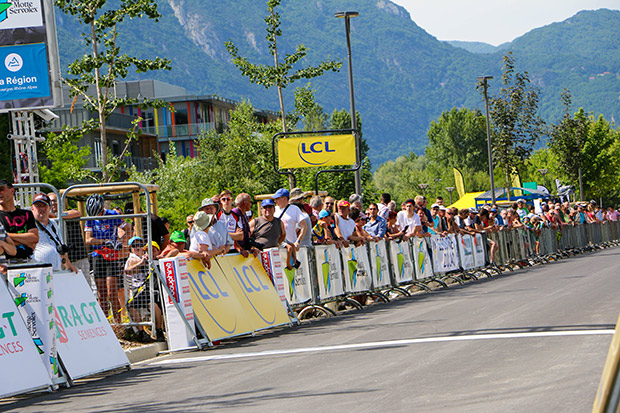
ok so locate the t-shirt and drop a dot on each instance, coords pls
(45, 250)
(18, 221)
(229, 219)
(219, 236)
(307, 239)
(199, 238)
(292, 217)
(104, 228)
(384, 211)
(347, 226)
(402, 221)
(158, 229)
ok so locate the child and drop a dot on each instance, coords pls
(321, 233)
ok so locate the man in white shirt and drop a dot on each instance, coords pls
(292, 217)
(219, 237)
(408, 220)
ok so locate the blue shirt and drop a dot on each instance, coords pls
(376, 228)
(104, 228)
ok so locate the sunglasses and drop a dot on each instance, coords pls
(329, 203)
(268, 206)
(225, 199)
(190, 222)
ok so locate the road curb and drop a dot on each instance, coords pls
(149, 351)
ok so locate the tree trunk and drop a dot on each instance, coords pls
(100, 108)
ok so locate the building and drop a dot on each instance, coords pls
(160, 128)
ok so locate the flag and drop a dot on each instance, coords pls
(458, 182)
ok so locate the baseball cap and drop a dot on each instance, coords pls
(343, 203)
(324, 213)
(42, 198)
(177, 236)
(520, 200)
(6, 182)
(473, 210)
(280, 193)
(434, 206)
(267, 202)
(442, 208)
(154, 244)
(135, 239)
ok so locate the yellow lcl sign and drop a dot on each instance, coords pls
(313, 151)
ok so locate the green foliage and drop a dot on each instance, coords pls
(282, 73)
(515, 120)
(308, 110)
(601, 160)
(66, 158)
(459, 139)
(105, 64)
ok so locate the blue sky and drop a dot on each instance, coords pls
(493, 21)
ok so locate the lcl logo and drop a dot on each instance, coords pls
(314, 148)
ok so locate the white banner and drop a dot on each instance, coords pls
(356, 267)
(272, 263)
(402, 262)
(329, 271)
(445, 253)
(379, 264)
(175, 273)
(298, 289)
(86, 342)
(466, 251)
(479, 248)
(20, 365)
(423, 266)
(31, 287)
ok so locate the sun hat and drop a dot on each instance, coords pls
(202, 220)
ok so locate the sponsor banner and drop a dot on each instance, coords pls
(20, 14)
(402, 263)
(479, 249)
(423, 266)
(215, 303)
(176, 275)
(379, 264)
(329, 271)
(356, 268)
(31, 288)
(445, 253)
(86, 342)
(20, 363)
(254, 290)
(466, 251)
(270, 258)
(297, 285)
(24, 72)
(312, 151)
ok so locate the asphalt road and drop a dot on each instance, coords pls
(532, 340)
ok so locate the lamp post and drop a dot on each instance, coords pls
(424, 187)
(485, 86)
(543, 172)
(437, 180)
(450, 189)
(346, 15)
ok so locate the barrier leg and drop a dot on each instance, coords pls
(313, 309)
(377, 294)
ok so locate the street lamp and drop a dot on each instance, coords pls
(346, 15)
(543, 172)
(450, 189)
(485, 85)
(437, 180)
(423, 187)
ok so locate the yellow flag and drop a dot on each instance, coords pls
(516, 182)
(458, 182)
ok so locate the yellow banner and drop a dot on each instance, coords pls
(215, 303)
(458, 182)
(255, 291)
(314, 151)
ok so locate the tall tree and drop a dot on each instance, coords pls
(458, 139)
(515, 120)
(567, 141)
(281, 74)
(106, 64)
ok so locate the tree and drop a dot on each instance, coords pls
(458, 138)
(66, 160)
(308, 110)
(601, 160)
(106, 64)
(567, 141)
(281, 74)
(515, 120)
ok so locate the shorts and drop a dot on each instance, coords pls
(103, 269)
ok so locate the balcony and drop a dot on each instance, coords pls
(179, 131)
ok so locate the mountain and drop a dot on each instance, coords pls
(474, 47)
(404, 77)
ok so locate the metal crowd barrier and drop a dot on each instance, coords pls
(387, 268)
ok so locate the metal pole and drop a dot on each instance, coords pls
(484, 80)
(450, 189)
(347, 23)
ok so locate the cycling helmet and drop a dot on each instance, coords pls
(94, 205)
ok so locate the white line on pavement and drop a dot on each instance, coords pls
(387, 344)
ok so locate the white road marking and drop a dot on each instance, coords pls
(387, 344)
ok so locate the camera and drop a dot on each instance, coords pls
(63, 249)
(252, 243)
